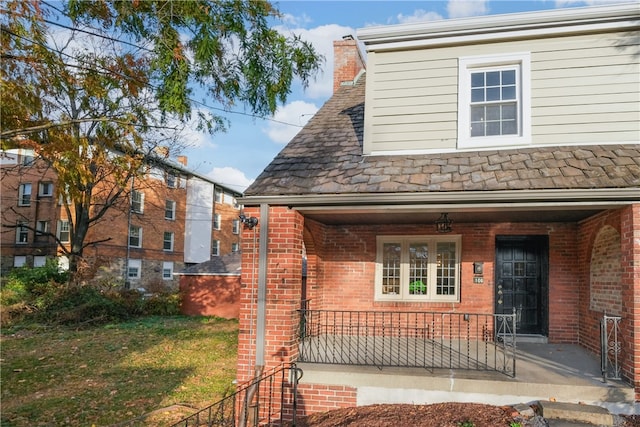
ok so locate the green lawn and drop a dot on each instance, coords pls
(110, 374)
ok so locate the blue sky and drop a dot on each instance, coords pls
(237, 157)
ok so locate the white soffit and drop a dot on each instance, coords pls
(499, 27)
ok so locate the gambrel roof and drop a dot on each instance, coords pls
(325, 157)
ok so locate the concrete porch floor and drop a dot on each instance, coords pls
(544, 372)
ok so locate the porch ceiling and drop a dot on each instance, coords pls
(458, 214)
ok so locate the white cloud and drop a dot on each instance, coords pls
(465, 8)
(230, 177)
(419, 15)
(295, 113)
(321, 38)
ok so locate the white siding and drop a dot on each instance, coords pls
(585, 89)
(199, 220)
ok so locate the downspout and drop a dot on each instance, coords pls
(127, 285)
(262, 287)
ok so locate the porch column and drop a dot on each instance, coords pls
(630, 248)
(271, 289)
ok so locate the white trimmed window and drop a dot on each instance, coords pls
(172, 180)
(24, 195)
(19, 261)
(45, 189)
(167, 270)
(167, 244)
(134, 268)
(418, 268)
(236, 226)
(217, 219)
(42, 227)
(137, 201)
(235, 247)
(494, 100)
(215, 248)
(64, 231)
(39, 261)
(170, 209)
(218, 195)
(135, 236)
(22, 233)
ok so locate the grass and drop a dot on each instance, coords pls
(114, 373)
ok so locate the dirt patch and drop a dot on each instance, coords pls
(450, 414)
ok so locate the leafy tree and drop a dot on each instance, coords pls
(93, 98)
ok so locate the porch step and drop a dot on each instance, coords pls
(528, 338)
(576, 412)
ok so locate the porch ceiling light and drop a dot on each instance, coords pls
(443, 224)
(248, 222)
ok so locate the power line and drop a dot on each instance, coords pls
(149, 85)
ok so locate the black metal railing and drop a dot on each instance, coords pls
(409, 339)
(610, 347)
(269, 400)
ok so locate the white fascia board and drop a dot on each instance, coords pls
(504, 197)
(500, 27)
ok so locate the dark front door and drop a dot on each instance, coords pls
(522, 281)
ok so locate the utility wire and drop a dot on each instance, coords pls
(149, 85)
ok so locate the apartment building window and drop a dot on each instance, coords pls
(418, 268)
(64, 231)
(170, 210)
(168, 241)
(22, 232)
(43, 227)
(494, 99)
(19, 261)
(137, 201)
(135, 236)
(45, 189)
(236, 226)
(235, 247)
(24, 195)
(167, 270)
(215, 248)
(172, 180)
(218, 194)
(134, 268)
(39, 261)
(217, 219)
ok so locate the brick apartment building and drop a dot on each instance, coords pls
(168, 220)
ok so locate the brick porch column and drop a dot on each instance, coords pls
(630, 247)
(283, 289)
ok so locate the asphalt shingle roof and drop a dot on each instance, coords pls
(325, 157)
(226, 264)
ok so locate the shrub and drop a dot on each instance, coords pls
(162, 304)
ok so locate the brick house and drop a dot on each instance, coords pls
(484, 170)
(170, 219)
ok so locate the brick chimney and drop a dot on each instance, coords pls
(182, 160)
(347, 61)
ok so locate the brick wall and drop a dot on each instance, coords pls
(209, 295)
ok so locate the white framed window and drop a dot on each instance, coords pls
(45, 189)
(217, 219)
(236, 226)
(215, 248)
(218, 194)
(24, 194)
(64, 231)
(170, 209)
(135, 236)
(172, 180)
(22, 232)
(134, 269)
(43, 227)
(19, 260)
(39, 261)
(418, 268)
(167, 270)
(235, 247)
(167, 244)
(137, 201)
(494, 100)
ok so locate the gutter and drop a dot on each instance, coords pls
(504, 197)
